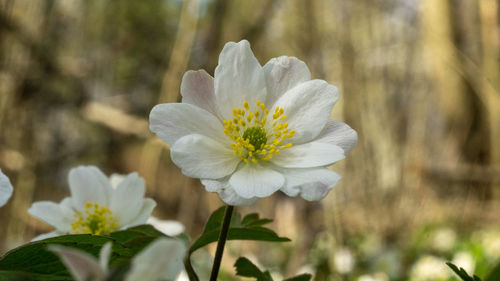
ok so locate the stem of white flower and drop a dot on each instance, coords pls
(220, 244)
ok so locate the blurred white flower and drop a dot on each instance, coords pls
(343, 260)
(161, 260)
(443, 239)
(96, 206)
(168, 227)
(430, 268)
(5, 189)
(465, 260)
(490, 240)
(379, 276)
(253, 130)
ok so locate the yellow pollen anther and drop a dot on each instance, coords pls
(257, 140)
(95, 219)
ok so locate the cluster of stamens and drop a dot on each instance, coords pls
(95, 219)
(253, 138)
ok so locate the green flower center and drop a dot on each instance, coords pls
(256, 136)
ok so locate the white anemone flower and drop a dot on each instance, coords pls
(253, 130)
(167, 227)
(161, 260)
(5, 189)
(96, 205)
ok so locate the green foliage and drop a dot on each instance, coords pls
(494, 274)
(462, 273)
(34, 262)
(246, 268)
(248, 228)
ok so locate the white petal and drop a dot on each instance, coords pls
(161, 260)
(82, 265)
(312, 184)
(284, 73)
(307, 155)
(172, 121)
(88, 184)
(307, 107)
(226, 192)
(238, 77)
(146, 210)
(230, 197)
(202, 157)
(104, 255)
(116, 179)
(46, 236)
(197, 88)
(5, 189)
(338, 133)
(127, 199)
(213, 185)
(168, 227)
(253, 180)
(54, 214)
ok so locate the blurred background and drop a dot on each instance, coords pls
(419, 82)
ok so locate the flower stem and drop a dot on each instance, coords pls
(222, 241)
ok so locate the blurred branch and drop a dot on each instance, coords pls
(181, 51)
(116, 119)
(458, 172)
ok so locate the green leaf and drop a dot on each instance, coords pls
(302, 277)
(248, 228)
(462, 273)
(34, 262)
(494, 274)
(246, 268)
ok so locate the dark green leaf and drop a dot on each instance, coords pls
(248, 228)
(462, 273)
(33, 260)
(246, 268)
(494, 274)
(302, 277)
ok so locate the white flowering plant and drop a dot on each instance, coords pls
(246, 133)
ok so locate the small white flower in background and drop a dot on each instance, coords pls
(168, 227)
(97, 205)
(253, 130)
(466, 261)
(490, 241)
(430, 268)
(161, 260)
(379, 276)
(443, 239)
(343, 260)
(5, 189)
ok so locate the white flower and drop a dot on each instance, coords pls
(343, 260)
(443, 239)
(168, 227)
(161, 260)
(96, 206)
(465, 260)
(430, 268)
(5, 189)
(253, 130)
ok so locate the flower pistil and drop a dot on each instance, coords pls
(95, 219)
(253, 140)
